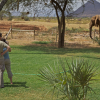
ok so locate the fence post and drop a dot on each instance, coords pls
(52, 35)
(42, 36)
(11, 32)
(34, 33)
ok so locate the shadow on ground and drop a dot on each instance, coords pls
(52, 49)
(16, 84)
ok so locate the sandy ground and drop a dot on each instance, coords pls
(73, 40)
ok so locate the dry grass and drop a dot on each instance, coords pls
(75, 40)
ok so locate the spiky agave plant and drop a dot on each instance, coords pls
(82, 72)
(74, 82)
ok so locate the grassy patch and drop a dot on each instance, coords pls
(76, 30)
(41, 42)
(26, 62)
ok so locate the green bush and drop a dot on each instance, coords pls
(10, 18)
(73, 82)
(76, 30)
(42, 42)
(97, 40)
(26, 19)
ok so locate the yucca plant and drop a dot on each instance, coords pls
(73, 82)
(83, 73)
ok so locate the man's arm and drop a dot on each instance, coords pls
(8, 44)
(8, 48)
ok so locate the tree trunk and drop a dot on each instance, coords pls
(3, 2)
(61, 38)
(61, 31)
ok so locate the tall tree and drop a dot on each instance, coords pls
(60, 5)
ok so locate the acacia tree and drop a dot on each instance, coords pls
(60, 5)
(63, 7)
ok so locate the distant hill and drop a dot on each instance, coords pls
(90, 10)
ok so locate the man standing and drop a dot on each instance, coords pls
(2, 65)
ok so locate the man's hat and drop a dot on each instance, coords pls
(0, 34)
